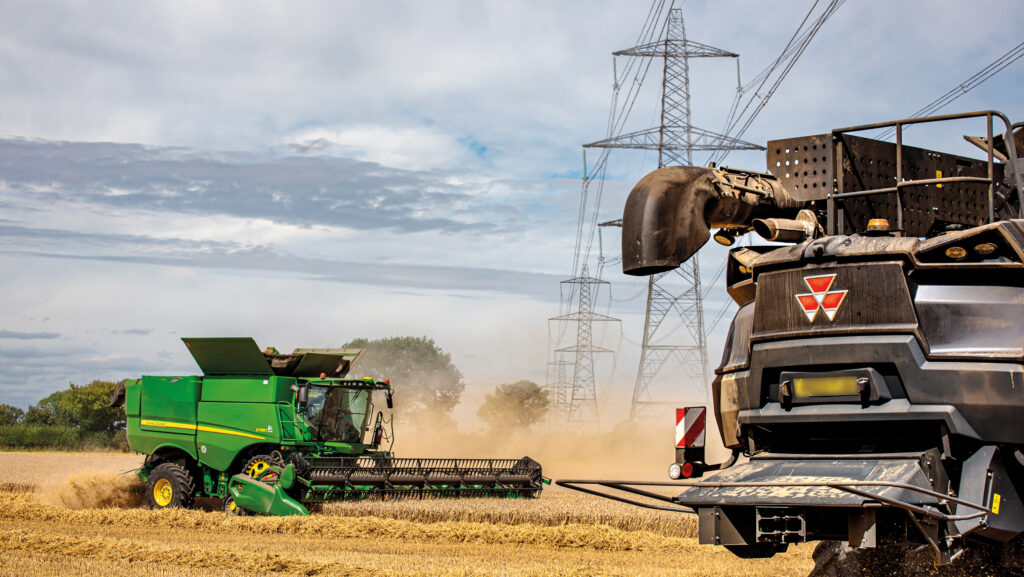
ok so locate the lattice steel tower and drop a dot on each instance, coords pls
(671, 303)
(575, 401)
(559, 387)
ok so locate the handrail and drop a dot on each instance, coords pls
(907, 183)
(923, 120)
(839, 191)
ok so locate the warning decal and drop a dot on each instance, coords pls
(690, 424)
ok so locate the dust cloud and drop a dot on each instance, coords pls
(96, 490)
(626, 452)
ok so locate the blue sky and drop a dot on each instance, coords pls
(308, 173)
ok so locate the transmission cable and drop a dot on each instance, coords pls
(795, 48)
(616, 120)
(964, 87)
(760, 79)
(600, 168)
(649, 28)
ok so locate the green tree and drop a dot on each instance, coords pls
(87, 408)
(514, 406)
(44, 412)
(10, 415)
(82, 407)
(424, 377)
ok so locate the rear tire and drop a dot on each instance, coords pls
(838, 559)
(170, 485)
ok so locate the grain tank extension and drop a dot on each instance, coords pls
(275, 433)
(873, 376)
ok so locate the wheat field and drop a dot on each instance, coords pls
(73, 514)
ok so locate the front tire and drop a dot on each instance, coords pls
(258, 467)
(170, 485)
(232, 509)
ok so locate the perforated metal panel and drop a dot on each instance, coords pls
(806, 168)
(870, 164)
(803, 165)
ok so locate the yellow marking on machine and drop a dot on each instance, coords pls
(996, 498)
(204, 428)
(167, 424)
(207, 429)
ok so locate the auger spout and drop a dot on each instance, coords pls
(670, 212)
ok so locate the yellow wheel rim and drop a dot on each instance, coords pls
(256, 469)
(163, 492)
(233, 507)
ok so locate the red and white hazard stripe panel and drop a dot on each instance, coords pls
(690, 428)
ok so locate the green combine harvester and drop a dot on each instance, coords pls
(276, 433)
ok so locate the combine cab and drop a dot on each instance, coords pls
(273, 433)
(871, 383)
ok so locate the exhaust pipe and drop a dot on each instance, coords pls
(795, 230)
(670, 212)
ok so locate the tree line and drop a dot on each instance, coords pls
(73, 418)
(428, 386)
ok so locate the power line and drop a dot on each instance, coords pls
(738, 124)
(576, 396)
(762, 76)
(617, 119)
(721, 314)
(964, 87)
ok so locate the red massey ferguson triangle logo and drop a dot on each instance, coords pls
(820, 297)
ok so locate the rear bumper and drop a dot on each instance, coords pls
(977, 399)
(786, 482)
(895, 409)
(775, 500)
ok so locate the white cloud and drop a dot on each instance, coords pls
(412, 148)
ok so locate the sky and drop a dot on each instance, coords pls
(307, 173)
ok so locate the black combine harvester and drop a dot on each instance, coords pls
(872, 376)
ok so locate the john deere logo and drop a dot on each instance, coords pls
(820, 297)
